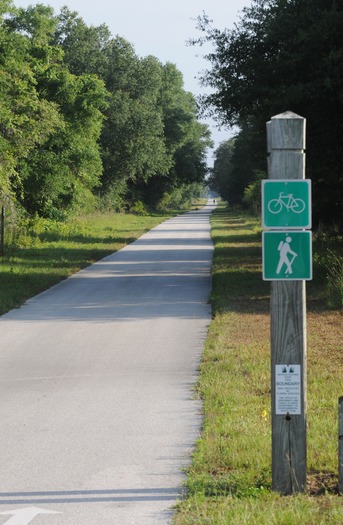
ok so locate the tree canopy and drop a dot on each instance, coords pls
(282, 55)
(85, 122)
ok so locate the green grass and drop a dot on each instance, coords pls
(45, 252)
(229, 481)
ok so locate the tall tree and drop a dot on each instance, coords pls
(220, 177)
(285, 55)
(58, 79)
(186, 139)
(132, 140)
(60, 174)
(84, 46)
(151, 135)
(27, 120)
(134, 136)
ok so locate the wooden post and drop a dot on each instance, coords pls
(340, 445)
(286, 145)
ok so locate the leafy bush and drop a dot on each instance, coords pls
(252, 194)
(139, 209)
(180, 197)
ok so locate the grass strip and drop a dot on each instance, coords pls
(45, 252)
(229, 481)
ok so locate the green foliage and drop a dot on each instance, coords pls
(62, 174)
(328, 268)
(132, 138)
(139, 208)
(282, 55)
(85, 122)
(180, 197)
(220, 177)
(229, 479)
(335, 280)
(151, 135)
(45, 251)
(26, 120)
(52, 120)
(252, 194)
(114, 197)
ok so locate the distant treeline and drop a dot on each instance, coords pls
(86, 123)
(283, 55)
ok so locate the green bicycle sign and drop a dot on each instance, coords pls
(286, 204)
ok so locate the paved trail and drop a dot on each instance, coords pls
(97, 417)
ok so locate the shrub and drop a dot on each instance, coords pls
(139, 208)
(335, 280)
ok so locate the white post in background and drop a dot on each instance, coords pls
(286, 145)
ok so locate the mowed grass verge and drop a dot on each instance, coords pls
(229, 481)
(45, 252)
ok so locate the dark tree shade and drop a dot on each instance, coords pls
(284, 55)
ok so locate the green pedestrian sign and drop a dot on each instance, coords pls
(287, 255)
(286, 204)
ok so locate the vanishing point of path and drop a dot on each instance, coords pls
(97, 414)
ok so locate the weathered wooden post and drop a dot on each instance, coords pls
(286, 145)
(340, 445)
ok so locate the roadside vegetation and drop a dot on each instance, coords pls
(229, 481)
(86, 123)
(66, 194)
(43, 252)
(281, 55)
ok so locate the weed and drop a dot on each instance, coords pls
(335, 280)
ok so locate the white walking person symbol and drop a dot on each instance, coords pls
(285, 250)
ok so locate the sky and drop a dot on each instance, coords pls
(161, 29)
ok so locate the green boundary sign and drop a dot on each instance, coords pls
(286, 204)
(287, 255)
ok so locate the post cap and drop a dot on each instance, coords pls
(287, 114)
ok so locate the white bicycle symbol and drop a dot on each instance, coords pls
(287, 201)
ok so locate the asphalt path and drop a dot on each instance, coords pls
(97, 411)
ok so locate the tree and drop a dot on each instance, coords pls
(186, 139)
(59, 78)
(26, 119)
(132, 138)
(285, 55)
(151, 138)
(84, 47)
(58, 175)
(220, 176)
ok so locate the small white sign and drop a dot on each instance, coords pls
(288, 389)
